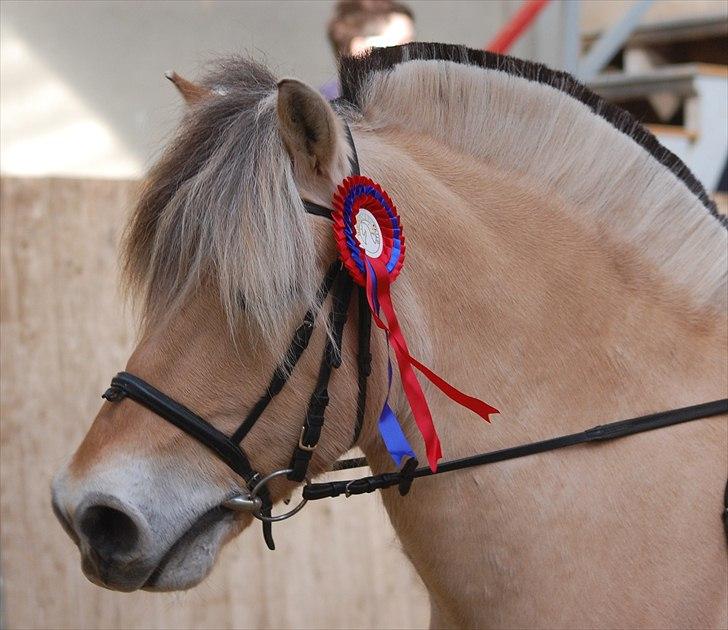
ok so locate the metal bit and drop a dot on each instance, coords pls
(242, 503)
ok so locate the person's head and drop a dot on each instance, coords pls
(358, 25)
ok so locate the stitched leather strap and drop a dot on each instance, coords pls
(315, 414)
(282, 372)
(595, 434)
(125, 384)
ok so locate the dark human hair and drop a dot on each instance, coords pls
(361, 18)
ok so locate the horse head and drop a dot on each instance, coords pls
(228, 263)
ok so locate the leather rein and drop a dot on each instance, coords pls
(255, 497)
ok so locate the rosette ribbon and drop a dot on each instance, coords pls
(371, 244)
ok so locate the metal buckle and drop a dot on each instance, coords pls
(301, 445)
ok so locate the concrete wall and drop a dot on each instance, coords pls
(83, 92)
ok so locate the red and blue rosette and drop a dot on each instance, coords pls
(369, 238)
(378, 226)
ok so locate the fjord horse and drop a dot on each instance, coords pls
(560, 263)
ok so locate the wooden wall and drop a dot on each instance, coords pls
(64, 332)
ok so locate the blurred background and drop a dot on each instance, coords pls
(85, 108)
(83, 90)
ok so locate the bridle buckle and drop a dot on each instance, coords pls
(301, 445)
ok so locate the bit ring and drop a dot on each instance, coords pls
(262, 483)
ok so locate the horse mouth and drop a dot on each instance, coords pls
(191, 557)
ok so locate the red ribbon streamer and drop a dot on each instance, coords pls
(406, 362)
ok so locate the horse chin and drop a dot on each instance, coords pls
(191, 558)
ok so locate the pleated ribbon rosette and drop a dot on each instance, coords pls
(371, 244)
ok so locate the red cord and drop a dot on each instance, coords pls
(518, 24)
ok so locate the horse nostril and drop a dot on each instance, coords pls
(109, 531)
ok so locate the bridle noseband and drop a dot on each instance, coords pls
(255, 497)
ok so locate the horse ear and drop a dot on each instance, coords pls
(309, 127)
(191, 92)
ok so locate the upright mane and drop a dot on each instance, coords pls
(533, 121)
(221, 208)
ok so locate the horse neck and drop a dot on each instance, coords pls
(512, 298)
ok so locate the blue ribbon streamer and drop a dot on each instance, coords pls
(389, 427)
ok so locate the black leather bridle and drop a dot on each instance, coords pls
(255, 497)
